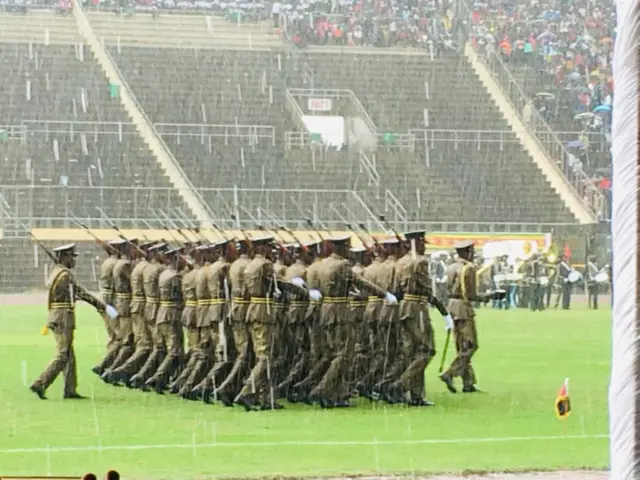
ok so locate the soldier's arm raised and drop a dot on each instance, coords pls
(361, 283)
(80, 293)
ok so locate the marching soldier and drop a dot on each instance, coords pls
(592, 284)
(262, 286)
(199, 363)
(219, 309)
(439, 268)
(141, 332)
(122, 287)
(150, 275)
(461, 281)
(168, 320)
(189, 315)
(371, 322)
(357, 306)
(107, 293)
(63, 293)
(336, 280)
(388, 341)
(412, 280)
(229, 388)
(295, 333)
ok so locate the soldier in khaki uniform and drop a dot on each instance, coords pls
(189, 314)
(461, 283)
(141, 333)
(372, 327)
(390, 362)
(296, 331)
(150, 276)
(168, 325)
(319, 354)
(230, 387)
(107, 294)
(202, 337)
(357, 306)
(336, 281)
(416, 331)
(262, 286)
(222, 346)
(63, 293)
(122, 287)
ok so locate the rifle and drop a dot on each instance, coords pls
(102, 243)
(46, 250)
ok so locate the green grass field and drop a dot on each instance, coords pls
(522, 361)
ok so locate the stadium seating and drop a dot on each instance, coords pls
(79, 153)
(405, 92)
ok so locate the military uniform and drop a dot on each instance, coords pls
(63, 293)
(357, 306)
(373, 330)
(150, 276)
(295, 334)
(107, 293)
(141, 332)
(260, 283)
(239, 306)
(416, 332)
(461, 282)
(592, 286)
(336, 280)
(122, 288)
(168, 322)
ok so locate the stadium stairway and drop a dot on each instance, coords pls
(185, 31)
(545, 164)
(164, 156)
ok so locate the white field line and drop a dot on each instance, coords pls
(434, 441)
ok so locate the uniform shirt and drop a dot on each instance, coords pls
(236, 277)
(461, 284)
(137, 287)
(189, 318)
(337, 279)
(202, 295)
(412, 280)
(171, 301)
(122, 286)
(150, 276)
(63, 293)
(106, 279)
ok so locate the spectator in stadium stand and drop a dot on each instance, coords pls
(381, 23)
(112, 475)
(276, 10)
(89, 476)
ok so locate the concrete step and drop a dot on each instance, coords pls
(160, 40)
(39, 37)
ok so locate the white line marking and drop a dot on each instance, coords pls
(428, 441)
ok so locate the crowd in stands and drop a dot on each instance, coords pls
(566, 47)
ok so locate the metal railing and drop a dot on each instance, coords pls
(334, 94)
(401, 141)
(398, 213)
(71, 127)
(251, 132)
(368, 167)
(56, 206)
(14, 132)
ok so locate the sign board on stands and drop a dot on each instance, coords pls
(319, 104)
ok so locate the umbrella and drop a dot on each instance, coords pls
(602, 108)
(586, 116)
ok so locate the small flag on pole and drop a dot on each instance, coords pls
(563, 403)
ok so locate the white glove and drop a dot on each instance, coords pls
(111, 312)
(277, 294)
(391, 298)
(298, 281)
(448, 322)
(315, 294)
